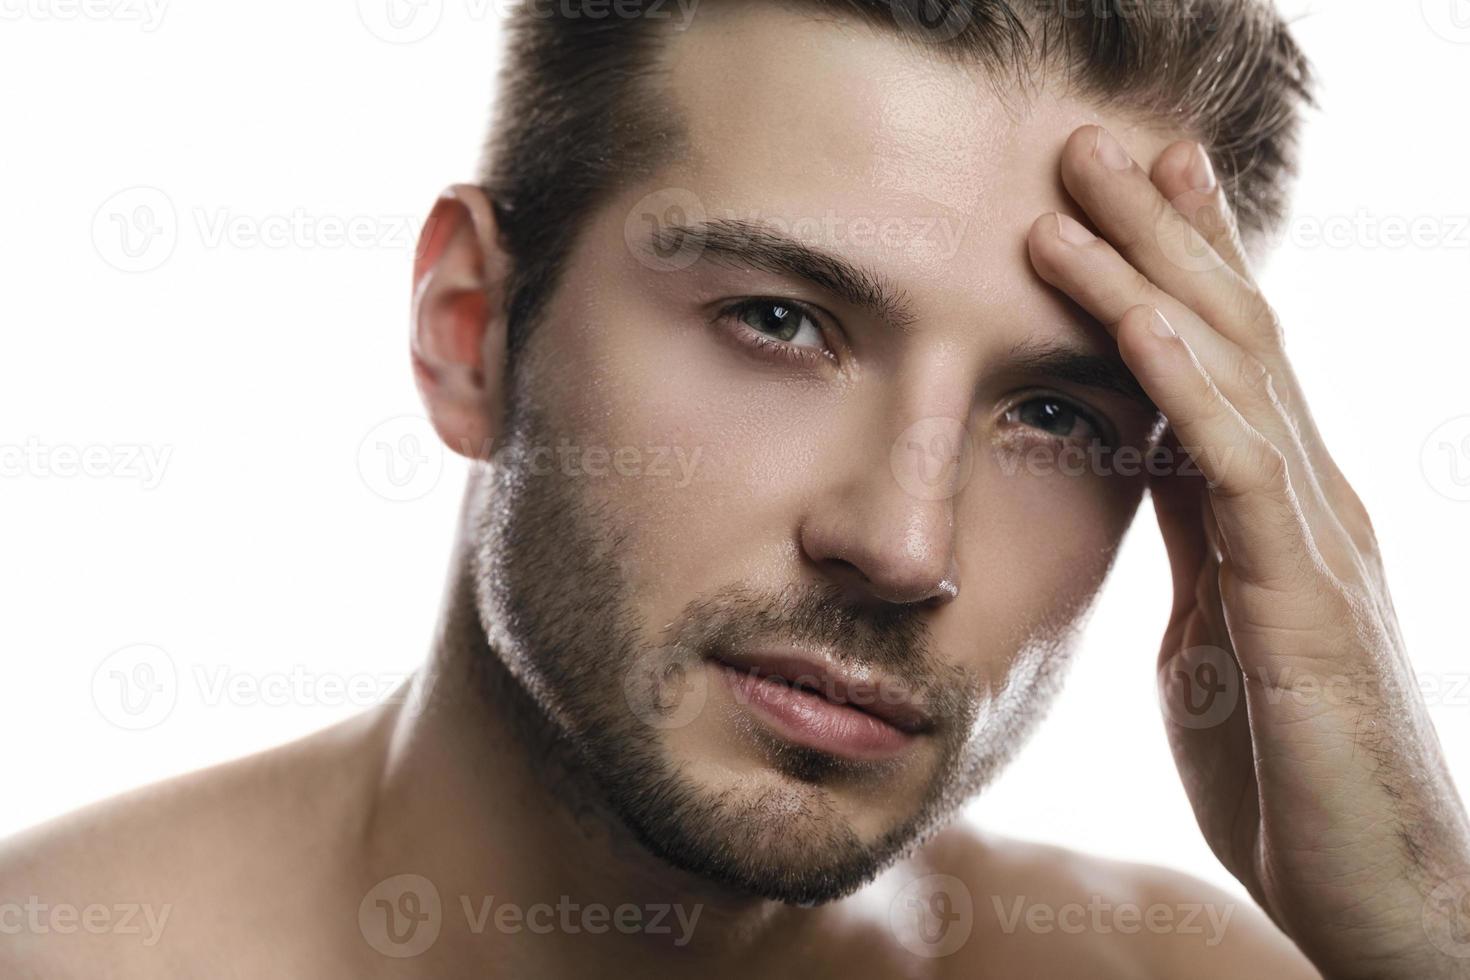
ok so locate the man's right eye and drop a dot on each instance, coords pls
(777, 326)
(780, 320)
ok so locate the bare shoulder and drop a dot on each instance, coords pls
(1033, 904)
(169, 877)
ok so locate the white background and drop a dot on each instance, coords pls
(263, 361)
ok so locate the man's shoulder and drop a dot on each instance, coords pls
(1043, 903)
(154, 876)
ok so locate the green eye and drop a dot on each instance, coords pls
(1055, 417)
(781, 321)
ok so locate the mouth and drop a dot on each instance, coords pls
(820, 705)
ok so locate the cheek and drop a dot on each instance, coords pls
(719, 455)
(1033, 552)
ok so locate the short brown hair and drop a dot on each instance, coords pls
(577, 116)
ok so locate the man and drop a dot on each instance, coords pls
(815, 357)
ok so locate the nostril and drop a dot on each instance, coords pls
(848, 575)
(877, 562)
(863, 589)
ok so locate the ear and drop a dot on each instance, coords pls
(458, 328)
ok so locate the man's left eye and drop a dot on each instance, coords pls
(1056, 417)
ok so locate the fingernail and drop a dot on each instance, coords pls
(1201, 171)
(1110, 151)
(1161, 327)
(1070, 230)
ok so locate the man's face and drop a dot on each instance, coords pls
(801, 401)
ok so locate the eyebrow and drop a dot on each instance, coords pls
(748, 243)
(1079, 367)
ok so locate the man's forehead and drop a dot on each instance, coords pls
(833, 111)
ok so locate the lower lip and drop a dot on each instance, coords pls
(811, 720)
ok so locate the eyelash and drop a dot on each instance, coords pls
(743, 333)
(1102, 432)
(749, 337)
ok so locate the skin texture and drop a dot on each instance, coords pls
(956, 596)
(520, 766)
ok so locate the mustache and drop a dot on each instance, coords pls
(890, 638)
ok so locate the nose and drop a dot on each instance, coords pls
(881, 537)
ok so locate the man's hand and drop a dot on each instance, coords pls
(1313, 769)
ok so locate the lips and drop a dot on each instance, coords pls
(823, 705)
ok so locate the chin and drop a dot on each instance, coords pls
(764, 833)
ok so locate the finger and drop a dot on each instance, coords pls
(1209, 735)
(1131, 213)
(1185, 177)
(1264, 533)
(1107, 286)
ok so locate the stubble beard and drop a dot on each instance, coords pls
(566, 649)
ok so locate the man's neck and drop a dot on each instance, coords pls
(482, 798)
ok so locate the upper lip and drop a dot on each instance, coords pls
(880, 695)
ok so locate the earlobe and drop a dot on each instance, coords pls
(457, 328)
